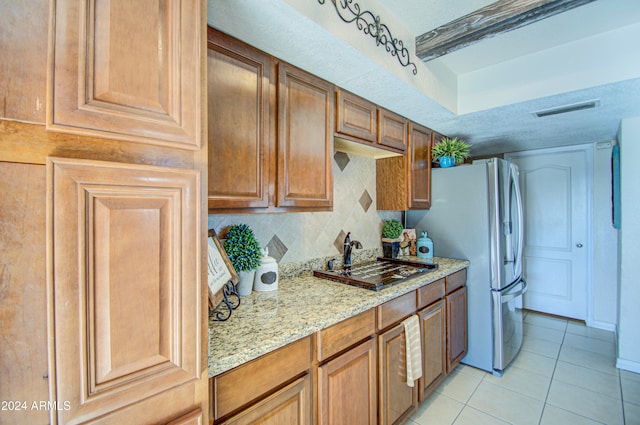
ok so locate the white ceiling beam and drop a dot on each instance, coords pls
(494, 19)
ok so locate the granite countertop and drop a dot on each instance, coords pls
(266, 321)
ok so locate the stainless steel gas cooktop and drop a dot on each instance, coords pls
(377, 274)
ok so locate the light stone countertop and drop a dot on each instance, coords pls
(266, 321)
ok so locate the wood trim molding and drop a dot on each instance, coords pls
(496, 18)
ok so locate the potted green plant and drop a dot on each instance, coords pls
(449, 151)
(244, 253)
(391, 231)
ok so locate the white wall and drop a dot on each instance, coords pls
(604, 306)
(629, 310)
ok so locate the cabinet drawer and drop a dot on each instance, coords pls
(344, 334)
(252, 380)
(430, 293)
(456, 280)
(395, 310)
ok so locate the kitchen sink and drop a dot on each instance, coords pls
(379, 273)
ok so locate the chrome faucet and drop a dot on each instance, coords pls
(347, 246)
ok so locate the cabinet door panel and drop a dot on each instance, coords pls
(419, 167)
(239, 117)
(347, 388)
(291, 405)
(125, 290)
(397, 400)
(392, 130)
(456, 327)
(115, 75)
(432, 328)
(356, 117)
(305, 139)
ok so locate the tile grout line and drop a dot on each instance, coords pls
(555, 365)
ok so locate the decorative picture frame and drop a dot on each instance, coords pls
(222, 278)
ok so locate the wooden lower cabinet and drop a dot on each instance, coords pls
(432, 329)
(291, 405)
(456, 327)
(397, 401)
(267, 384)
(347, 387)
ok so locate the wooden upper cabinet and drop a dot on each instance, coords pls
(419, 165)
(392, 130)
(239, 117)
(356, 117)
(305, 139)
(125, 300)
(127, 70)
(405, 182)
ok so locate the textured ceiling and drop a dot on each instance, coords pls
(490, 89)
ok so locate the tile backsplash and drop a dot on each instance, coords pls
(294, 237)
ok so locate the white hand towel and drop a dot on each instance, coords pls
(413, 349)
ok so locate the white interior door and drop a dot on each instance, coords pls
(555, 188)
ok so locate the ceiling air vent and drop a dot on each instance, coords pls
(590, 104)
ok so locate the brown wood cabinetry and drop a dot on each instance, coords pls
(346, 372)
(291, 405)
(456, 327)
(102, 293)
(433, 336)
(433, 328)
(356, 118)
(240, 151)
(347, 387)
(118, 233)
(392, 130)
(456, 308)
(240, 391)
(253, 167)
(374, 129)
(23, 299)
(305, 139)
(405, 182)
(419, 167)
(397, 400)
(116, 76)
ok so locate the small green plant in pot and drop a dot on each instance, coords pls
(450, 151)
(244, 253)
(391, 231)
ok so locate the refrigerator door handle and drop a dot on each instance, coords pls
(516, 183)
(508, 297)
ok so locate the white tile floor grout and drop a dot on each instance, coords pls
(565, 374)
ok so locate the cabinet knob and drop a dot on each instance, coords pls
(579, 245)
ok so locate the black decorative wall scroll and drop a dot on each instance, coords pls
(349, 11)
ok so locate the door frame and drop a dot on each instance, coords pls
(587, 148)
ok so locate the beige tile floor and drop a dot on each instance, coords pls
(565, 374)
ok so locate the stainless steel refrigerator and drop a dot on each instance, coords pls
(476, 214)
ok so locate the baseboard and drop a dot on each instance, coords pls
(611, 327)
(628, 365)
